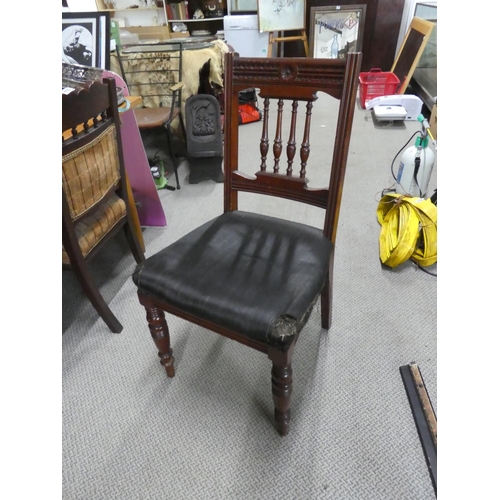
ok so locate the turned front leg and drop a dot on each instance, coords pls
(159, 331)
(281, 343)
(282, 396)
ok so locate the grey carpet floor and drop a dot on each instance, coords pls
(130, 433)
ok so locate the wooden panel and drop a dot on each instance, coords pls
(379, 47)
(275, 77)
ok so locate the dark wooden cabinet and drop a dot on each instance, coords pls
(380, 37)
(184, 11)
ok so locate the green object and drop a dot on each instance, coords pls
(158, 173)
(423, 140)
(115, 32)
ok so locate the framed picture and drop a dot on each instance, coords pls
(336, 30)
(86, 38)
(281, 15)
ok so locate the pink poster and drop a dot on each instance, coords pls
(146, 197)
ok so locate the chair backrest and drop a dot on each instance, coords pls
(289, 80)
(151, 70)
(92, 161)
(203, 126)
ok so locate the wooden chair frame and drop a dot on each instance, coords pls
(153, 116)
(294, 79)
(89, 113)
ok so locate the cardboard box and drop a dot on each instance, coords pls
(433, 120)
(179, 34)
(150, 32)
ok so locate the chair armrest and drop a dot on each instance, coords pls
(177, 86)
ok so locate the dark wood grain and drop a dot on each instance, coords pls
(160, 334)
(278, 143)
(292, 146)
(280, 82)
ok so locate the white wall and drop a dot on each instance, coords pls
(82, 5)
(408, 12)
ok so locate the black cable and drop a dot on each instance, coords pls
(397, 154)
(156, 156)
(434, 197)
(426, 271)
(415, 173)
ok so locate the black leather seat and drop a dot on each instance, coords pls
(243, 271)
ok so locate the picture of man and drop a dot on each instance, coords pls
(77, 46)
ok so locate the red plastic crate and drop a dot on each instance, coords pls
(376, 83)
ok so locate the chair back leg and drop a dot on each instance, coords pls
(131, 229)
(326, 298)
(172, 154)
(94, 295)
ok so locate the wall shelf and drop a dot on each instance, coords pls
(141, 9)
(204, 19)
(154, 16)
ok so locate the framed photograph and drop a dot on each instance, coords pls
(336, 30)
(281, 15)
(86, 38)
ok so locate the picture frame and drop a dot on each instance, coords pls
(281, 15)
(336, 30)
(86, 38)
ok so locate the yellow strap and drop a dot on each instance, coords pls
(409, 230)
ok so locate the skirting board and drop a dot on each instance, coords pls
(424, 416)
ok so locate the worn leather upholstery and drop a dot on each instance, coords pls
(243, 271)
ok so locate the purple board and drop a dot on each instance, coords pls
(143, 187)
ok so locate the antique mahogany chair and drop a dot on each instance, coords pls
(154, 71)
(251, 277)
(95, 198)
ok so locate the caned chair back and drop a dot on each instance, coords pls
(95, 199)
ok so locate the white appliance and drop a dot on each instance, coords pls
(396, 107)
(242, 33)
